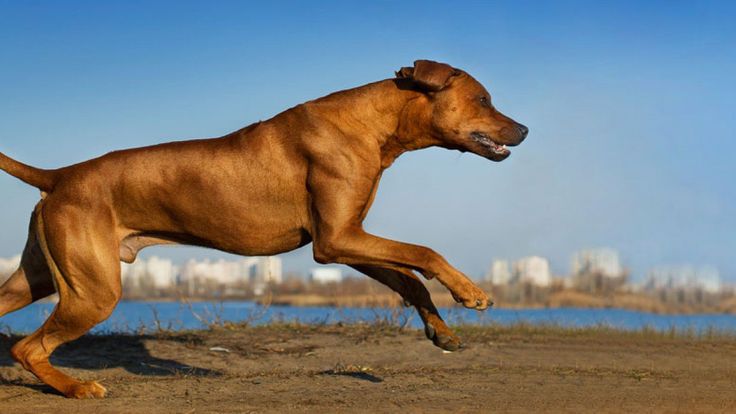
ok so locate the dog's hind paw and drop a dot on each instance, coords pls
(447, 342)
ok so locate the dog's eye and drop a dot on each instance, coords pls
(484, 101)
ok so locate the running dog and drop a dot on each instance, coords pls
(307, 175)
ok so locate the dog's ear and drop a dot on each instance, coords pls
(428, 74)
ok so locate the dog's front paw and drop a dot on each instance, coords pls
(472, 297)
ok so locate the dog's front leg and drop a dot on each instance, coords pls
(412, 290)
(340, 197)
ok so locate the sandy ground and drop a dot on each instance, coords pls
(380, 369)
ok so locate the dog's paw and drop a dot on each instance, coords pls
(85, 390)
(444, 340)
(473, 297)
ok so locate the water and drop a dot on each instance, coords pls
(132, 316)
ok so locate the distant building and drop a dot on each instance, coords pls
(8, 266)
(602, 261)
(500, 273)
(597, 271)
(155, 273)
(533, 270)
(162, 272)
(325, 274)
(269, 269)
(247, 270)
(706, 279)
(220, 271)
(255, 271)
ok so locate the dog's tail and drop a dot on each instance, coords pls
(44, 180)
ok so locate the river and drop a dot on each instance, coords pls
(133, 316)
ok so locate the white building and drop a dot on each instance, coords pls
(266, 270)
(602, 261)
(325, 274)
(269, 269)
(258, 271)
(500, 273)
(220, 271)
(686, 277)
(160, 273)
(534, 270)
(8, 266)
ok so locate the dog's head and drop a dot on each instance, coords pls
(462, 114)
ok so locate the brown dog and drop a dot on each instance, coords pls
(309, 174)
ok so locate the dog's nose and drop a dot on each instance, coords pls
(523, 131)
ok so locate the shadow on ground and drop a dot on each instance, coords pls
(357, 375)
(92, 352)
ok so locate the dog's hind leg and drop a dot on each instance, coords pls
(31, 282)
(22, 289)
(83, 259)
(412, 290)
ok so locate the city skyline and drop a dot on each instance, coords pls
(602, 260)
(631, 126)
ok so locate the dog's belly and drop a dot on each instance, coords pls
(254, 223)
(251, 236)
(263, 244)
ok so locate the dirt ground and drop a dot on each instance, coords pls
(379, 369)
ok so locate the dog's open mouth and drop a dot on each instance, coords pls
(488, 143)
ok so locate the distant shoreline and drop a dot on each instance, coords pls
(564, 299)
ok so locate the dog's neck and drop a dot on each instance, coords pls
(395, 116)
(413, 124)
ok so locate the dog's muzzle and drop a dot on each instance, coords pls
(487, 143)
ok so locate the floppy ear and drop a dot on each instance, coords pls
(428, 74)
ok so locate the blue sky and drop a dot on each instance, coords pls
(630, 108)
